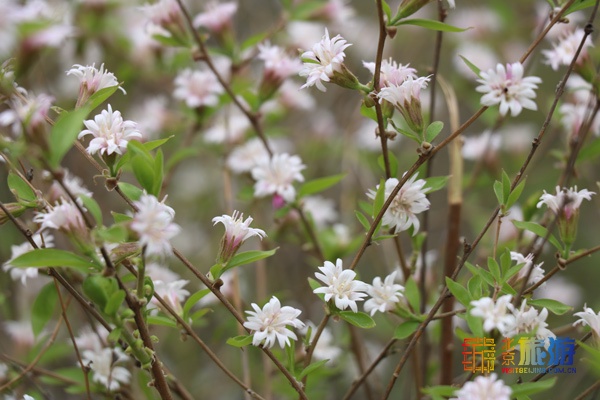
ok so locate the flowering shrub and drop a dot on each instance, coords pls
(434, 149)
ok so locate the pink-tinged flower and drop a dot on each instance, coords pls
(574, 116)
(340, 285)
(153, 222)
(278, 64)
(566, 201)
(590, 318)
(111, 133)
(92, 80)
(276, 176)
(229, 127)
(410, 201)
(270, 324)
(73, 183)
(197, 88)
(337, 11)
(172, 293)
(321, 209)
(164, 13)
(323, 61)
(46, 241)
(245, 157)
(484, 146)
(494, 313)
(216, 16)
(237, 231)
(484, 387)
(384, 295)
(406, 97)
(507, 86)
(27, 112)
(105, 371)
(52, 36)
(536, 275)
(564, 50)
(64, 216)
(391, 73)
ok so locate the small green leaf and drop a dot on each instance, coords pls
(319, 185)
(498, 192)
(430, 24)
(99, 289)
(114, 234)
(248, 257)
(387, 10)
(435, 183)
(162, 321)
(144, 172)
(114, 302)
(158, 173)
(379, 198)
(406, 329)
(131, 191)
(527, 388)
(114, 335)
(240, 341)
(93, 208)
(433, 130)
(458, 291)
(43, 308)
(494, 269)
(553, 306)
(63, 134)
(192, 300)
(100, 97)
(20, 189)
(362, 219)
(368, 112)
(505, 187)
(412, 294)
(538, 230)
(393, 163)
(312, 367)
(360, 319)
(475, 287)
(475, 324)
(579, 5)
(515, 194)
(118, 217)
(471, 66)
(40, 258)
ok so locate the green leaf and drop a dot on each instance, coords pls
(475, 324)
(368, 112)
(254, 40)
(538, 230)
(144, 172)
(498, 192)
(387, 10)
(319, 185)
(240, 341)
(485, 275)
(553, 306)
(93, 208)
(161, 320)
(430, 24)
(515, 194)
(393, 163)
(40, 258)
(179, 156)
(131, 191)
(192, 300)
(475, 287)
(458, 291)
(505, 187)
(141, 149)
(406, 329)
(158, 173)
(312, 367)
(590, 151)
(412, 294)
(362, 219)
(20, 189)
(435, 183)
(433, 130)
(99, 289)
(527, 388)
(63, 134)
(494, 269)
(579, 5)
(100, 97)
(114, 302)
(360, 319)
(43, 308)
(114, 234)
(248, 257)
(471, 66)
(379, 198)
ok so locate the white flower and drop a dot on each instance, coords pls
(270, 324)
(73, 183)
(153, 222)
(564, 51)
(91, 339)
(246, 156)
(26, 110)
(484, 388)
(172, 293)
(325, 58)
(63, 216)
(391, 73)
(402, 94)
(507, 86)
(20, 332)
(217, 16)
(237, 231)
(321, 209)
(276, 175)
(495, 314)
(163, 13)
(105, 372)
(340, 285)
(536, 275)
(3, 372)
(92, 80)
(384, 295)
(23, 273)
(575, 115)
(590, 318)
(153, 117)
(410, 201)
(481, 147)
(111, 134)
(528, 320)
(565, 201)
(197, 88)
(228, 127)
(158, 272)
(278, 64)
(291, 97)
